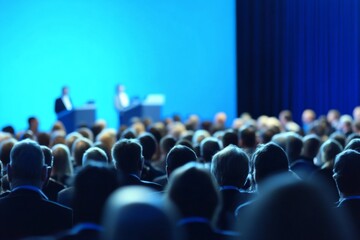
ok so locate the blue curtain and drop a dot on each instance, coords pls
(297, 54)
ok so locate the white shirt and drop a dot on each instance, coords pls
(124, 100)
(66, 101)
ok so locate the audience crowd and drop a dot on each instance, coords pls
(264, 178)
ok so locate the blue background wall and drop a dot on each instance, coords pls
(183, 49)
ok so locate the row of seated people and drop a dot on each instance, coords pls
(225, 186)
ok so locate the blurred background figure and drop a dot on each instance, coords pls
(63, 102)
(135, 212)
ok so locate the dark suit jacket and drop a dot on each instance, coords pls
(131, 180)
(59, 105)
(351, 208)
(232, 198)
(65, 197)
(52, 188)
(162, 180)
(27, 213)
(204, 231)
(304, 168)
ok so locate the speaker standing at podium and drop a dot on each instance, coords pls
(121, 98)
(64, 102)
(121, 102)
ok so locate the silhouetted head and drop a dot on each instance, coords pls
(178, 156)
(208, 147)
(127, 156)
(78, 149)
(294, 209)
(269, 160)
(346, 173)
(94, 154)
(230, 166)
(149, 145)
(135, 212)
(193, 189)
(353, 145)
(27, 165)
(93, 184)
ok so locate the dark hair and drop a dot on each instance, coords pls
(178, 156)
(194, 191)
(247, 135)
(346, 172)
(294, 146)
(127, 154)
(43, 138)
(230, 137)
(208, 147)
(353, 145)
(230, 166)
(166, 143)
(269, 159)
(92, 186)
(311, 146)
(149, 145)
(5, 149)
(27, 160)
(78, 149)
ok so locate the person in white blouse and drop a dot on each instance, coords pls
(63, 102)
(121, 100)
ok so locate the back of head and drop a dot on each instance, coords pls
(230, 137)
(78, 149)
(127, 154)
(92, 186)
(353, 145)
(294, 146)
(94, 154)
(329, 149)
(208, 147)
(71, 138)
(128, 133)
(285, 116)
(247, 136)
(86, 133)
(178, 156)
(134, 213)
(43, 138)
(194, 191)
(5, 149)
(149, 145)
(230, 166)
(351, 137)
(311, 146)
(26, 162)
(286, 211)
(166, 144)
(346, 172)
(269, 160)
(61, 161)
(339, 137)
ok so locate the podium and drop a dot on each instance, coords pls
(150, 108)
(77, 117)
(127, 114)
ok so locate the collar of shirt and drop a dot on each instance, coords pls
(31, 188)
(229, 187)
(86, 226)
(350, 198)
(192, 220)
